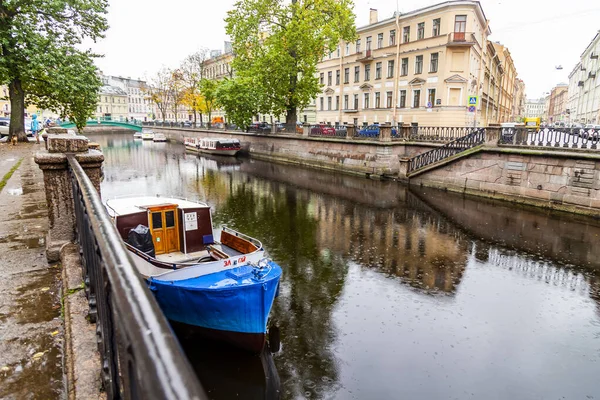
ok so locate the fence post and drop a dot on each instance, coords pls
(350, 128)
(385, 132)
(57, 183)
(305, 129)
(492, 136)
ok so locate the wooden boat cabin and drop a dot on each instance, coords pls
(182, 231)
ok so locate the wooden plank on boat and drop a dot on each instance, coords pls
(237, 243)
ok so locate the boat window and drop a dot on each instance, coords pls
(156, 220)
(170, 219)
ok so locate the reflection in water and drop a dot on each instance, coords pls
(389, 292)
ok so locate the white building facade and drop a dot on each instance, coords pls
(534, 108)
(139, 105)
(584, 86)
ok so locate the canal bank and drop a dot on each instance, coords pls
(31, 328)
(555, 178)
(390, 291)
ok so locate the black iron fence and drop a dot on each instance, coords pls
(328, 131)
(432, 133)
(140, 356)
(575, 138)
(454, 147)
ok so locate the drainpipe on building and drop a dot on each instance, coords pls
(341, 83)
(397, 70)
(479, 82)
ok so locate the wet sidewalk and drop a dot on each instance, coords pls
(31, 328)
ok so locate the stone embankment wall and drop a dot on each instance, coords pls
(557, 179)
(560, 180)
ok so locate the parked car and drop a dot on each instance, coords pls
(261, 127)
(590, 131)
(187, 124)
(4, 124)
(299, 128)
(322, 129)
(373, 131)
(341, 130)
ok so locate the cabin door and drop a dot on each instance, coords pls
(165, 233)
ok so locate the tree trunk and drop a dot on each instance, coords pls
(291, 116)
(17, 110)
(200, 118)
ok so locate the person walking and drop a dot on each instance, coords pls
(35, 127)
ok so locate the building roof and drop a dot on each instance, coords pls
(433, 7)
(112, 90)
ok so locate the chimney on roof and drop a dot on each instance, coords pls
(372, 16)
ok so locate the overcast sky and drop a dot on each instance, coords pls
(145, 35)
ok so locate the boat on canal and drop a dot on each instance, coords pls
(147, 134)
(216, 281)
(137, 135)
(216, 146)
(159, 137)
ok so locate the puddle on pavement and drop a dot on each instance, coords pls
(39, 300)
(38, 375)
(17, 242)
(15, 191)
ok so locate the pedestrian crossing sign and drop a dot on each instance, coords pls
(473, 100)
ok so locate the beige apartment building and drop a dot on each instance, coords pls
(426, 63)
(112, 103)
(557, 105)
(507, 83)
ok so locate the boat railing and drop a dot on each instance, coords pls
(252, 240)
(140, 356)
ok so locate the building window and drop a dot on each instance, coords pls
(329, 75)
(420, 30)
(367, 72)
(345, 102)
(418, 64)
(379, 40)
(338, 51)
(368, 43)
(460, 23)
(329, 103)
(358, 45)
(356, 73)
(322, 78)
(377, 99)
(366, 101)
(403, 99)
(436, 27)
(337, 76)
(416, 98)
(388, 99)
(337, 102)
(406, 34)
(392, 37)
(378, 70)
(356, 102)
(430, 97)
(347, 48)
(433, 64)
(390, 73)
(404, 67)
(346, 75)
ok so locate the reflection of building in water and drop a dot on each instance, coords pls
(424, 252)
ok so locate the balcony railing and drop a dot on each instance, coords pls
(461, 38)
(365, 56)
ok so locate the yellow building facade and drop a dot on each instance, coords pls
(112, 103)
(419, 67)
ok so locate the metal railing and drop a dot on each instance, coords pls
(574, 138)
(432, 133)
(327, 131)
(140, 356)
(448, 150)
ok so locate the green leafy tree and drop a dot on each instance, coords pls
(239, 99)
(34, 35)
(70, 88)
(278, 44)
(208, 90)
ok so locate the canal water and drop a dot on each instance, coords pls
(390, 292)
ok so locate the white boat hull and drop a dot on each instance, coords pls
(231, 152)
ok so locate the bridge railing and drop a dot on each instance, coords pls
(450, 149)
(141, 358)
(573, 138)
